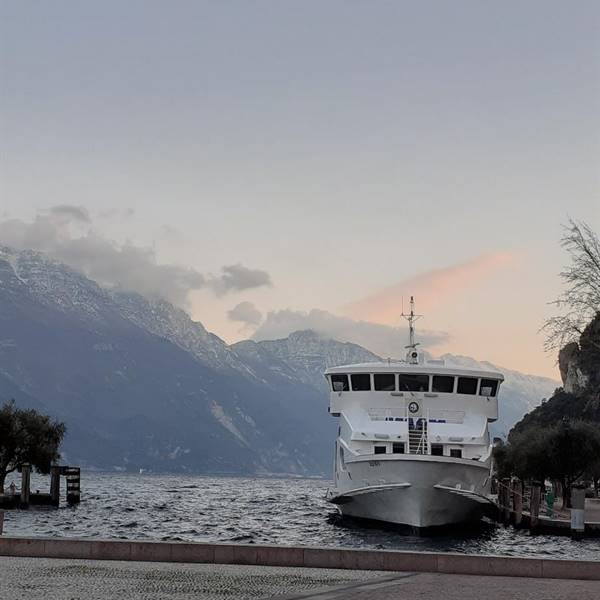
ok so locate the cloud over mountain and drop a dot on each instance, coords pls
(247, 313)
(66, 233)
(70, 212)
(381, 339)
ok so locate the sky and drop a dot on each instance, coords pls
(271, 166)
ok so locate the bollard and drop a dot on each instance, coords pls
(535, 505)
(1, 521)
(25, 479)
(517, 497)
(577, 511)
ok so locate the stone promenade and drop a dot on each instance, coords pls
(70, 579)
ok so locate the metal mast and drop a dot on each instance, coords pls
(411, 318)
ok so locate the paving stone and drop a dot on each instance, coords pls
(69, 579)
(441, 586)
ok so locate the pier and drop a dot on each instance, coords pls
(524, 508)
(26, 498)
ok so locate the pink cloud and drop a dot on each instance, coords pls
(430, 289)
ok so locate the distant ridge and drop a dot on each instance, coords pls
(142, 385)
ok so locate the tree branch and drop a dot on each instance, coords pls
(581, 298)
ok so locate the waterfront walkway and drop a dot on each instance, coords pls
(592, 510)
(68, 579)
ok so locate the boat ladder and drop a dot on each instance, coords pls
(417, 435)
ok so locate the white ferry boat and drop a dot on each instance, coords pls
(413, 445)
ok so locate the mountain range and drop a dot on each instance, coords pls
(141, 385)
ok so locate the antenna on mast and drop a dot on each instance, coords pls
(411, 318)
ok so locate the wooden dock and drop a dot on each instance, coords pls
(523, 508)
(25, 498)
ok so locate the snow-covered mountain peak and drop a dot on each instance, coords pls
(55, 284)
(161, 318)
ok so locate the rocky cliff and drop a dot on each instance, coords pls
(579, 398)
(579, 362)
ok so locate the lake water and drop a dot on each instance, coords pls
(250, 510)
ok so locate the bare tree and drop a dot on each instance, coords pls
(580, 302)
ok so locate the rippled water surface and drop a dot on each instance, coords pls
(250, 510)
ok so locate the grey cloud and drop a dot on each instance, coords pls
(130, 267)
(116, 213)
(70, 212)
(238, 278)
(382, 339)
(126, 267)
(247, 313)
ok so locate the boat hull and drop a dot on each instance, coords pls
(414, 491)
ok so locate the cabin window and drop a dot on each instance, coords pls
(456, 453)
(361, 382)
(398, 447)
(384, 382)
(467, 385)
(443, 384)
(339, 383)
(488, 387)
(409, 382)
(437, 450)
(380, 449)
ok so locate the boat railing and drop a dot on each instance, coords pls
(346, 447)
(488, 455)
(448, 416)
(427, 432)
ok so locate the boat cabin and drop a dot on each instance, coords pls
(425, 407)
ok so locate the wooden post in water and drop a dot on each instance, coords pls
(25, 482)
(577, 511)
(55, 485)
(1, 521)
(506, 500)
(517, 498)
(500, 500)
(534, 510)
